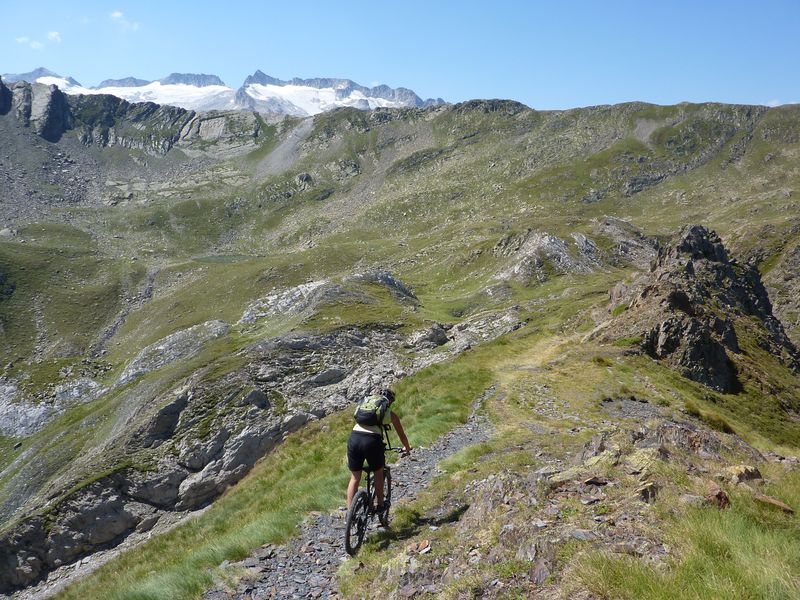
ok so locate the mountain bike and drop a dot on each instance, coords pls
(362, 509)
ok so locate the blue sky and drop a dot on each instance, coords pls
(547, 55)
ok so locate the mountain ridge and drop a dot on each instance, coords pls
(299, 97)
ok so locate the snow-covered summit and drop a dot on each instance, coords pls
(37, 74)
(298, 97)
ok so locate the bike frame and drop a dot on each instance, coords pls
(387, 445)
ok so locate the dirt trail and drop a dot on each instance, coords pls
(306, 566)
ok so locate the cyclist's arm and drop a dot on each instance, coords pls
(398, 427)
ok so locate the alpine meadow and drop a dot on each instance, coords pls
(590, 318)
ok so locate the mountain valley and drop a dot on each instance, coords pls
(590, 317)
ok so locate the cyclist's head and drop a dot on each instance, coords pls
(388, 394)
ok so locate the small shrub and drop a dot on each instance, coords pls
(628, 341)
(619, 309)
(693, 410)
(711, 419)
(717, 422)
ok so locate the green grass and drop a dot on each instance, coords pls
(306, 473)
(747, 551)
(64, 292)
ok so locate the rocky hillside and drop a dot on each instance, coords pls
(189, 298)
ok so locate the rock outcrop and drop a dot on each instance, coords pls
(201, 440)
(44, 108)
(5, 98)
(685, 311)
(104, 120)
(535, 256)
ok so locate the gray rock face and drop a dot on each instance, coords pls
(18, 417)
(5, 98)
(290, 301)
(199, 80)
(124, 82)
(689, 346)
(536, 255)
(87, 521)
(196, 454)
(44, 108)
(159, 488)
(162, 425)
(21, 416)
(104, 120)
(395, 286)
(630, 245)
(328, 377)
(110, 121)
(177, 346)
(687, 307)
(434, 336)
(239, 456)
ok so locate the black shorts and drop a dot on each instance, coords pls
(364, 446)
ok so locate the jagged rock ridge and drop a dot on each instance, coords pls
(685, 310)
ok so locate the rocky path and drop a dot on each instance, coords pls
(306, 566)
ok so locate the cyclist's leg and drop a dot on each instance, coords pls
(352, 487)
(355, 462)
(376, 460)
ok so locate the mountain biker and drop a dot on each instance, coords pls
(366, 441)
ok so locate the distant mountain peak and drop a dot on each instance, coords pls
(198, 80)
(124, 82)
(32, 76)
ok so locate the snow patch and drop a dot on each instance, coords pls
(312, 101)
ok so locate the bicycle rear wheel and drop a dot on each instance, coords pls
(356, 524)
(383, 517)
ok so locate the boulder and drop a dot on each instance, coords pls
(254, 397)
(162, 425)
(239, 455)
(195, 454)
(716, 496)
(434, 336)
(159, 487)
(328, 377)
(774, 502)
(742, 473)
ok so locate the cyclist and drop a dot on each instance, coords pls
(366, 441)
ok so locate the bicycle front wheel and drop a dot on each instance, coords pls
(356, 524)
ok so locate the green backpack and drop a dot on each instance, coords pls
(371, 410)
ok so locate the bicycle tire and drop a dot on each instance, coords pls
(383, 517)
(356, 523)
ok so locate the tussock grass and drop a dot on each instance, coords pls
(746, 551)
(306, 473)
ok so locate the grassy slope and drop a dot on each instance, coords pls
(306, 473)
(750, 551)
(438, 204)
